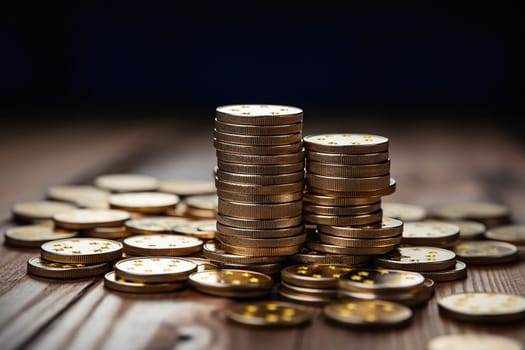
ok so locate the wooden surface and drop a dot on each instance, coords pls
(431, 163)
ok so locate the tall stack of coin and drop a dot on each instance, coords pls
(259, 180)
(347, 174)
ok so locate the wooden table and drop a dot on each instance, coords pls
(432, 164)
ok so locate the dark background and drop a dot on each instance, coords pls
(458, 63)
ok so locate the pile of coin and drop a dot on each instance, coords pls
(260, 182)
(347, 174)
(404, 287)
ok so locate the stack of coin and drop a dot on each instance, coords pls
(404, 287)
(95, 223)
(311, 283)
(74, 258)
(259, 180)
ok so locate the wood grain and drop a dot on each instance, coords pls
(431, 163)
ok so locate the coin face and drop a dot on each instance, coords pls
(429, 233)
(88, 218)
(418, 259)
(35, 235)
(469, 230)
(81, 250)
(49, 269)
(377, 280)
(231, 279)
(483, 306)
(259, 114)
(40, 210)
(154, 269)
(346, 143)
(127, 182)
(162, 244)
(404, 212)
(77, 194)
(476, 341)
(511, 233)
(269, 313)
(187, 187)
(314, 275)
(368, 313)
(143, 200)
(486, 252)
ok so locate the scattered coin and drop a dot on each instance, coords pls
(232, 283)
(152, 225)
(380, 280)
(78, 194)
(90, 218)
(162, 245)
(368, 313)
(457, 272)
(154, 269)
(127, 182)
(43, 268)
(202, 229)
(81, 250)
(486, 252)
(404, 212)
(39, 210)
(418, 259)
(185, 188)
(434, 233)
(32, 236)
(111, 281)
(269, 313)
(514, 234)
(469, 230)
(313, 275)
(143, 202)
(477, 341)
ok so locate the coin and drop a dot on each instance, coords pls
(232, 283)
(259, 189)
(483, 307)
(514, 234)
(474, 211)
(260, 251)
(457, 272)
(269, 269)
(144, 202)
(111, 281)
(154, 269)
(269, 313)
(260, 211)
(486, 252)
(214, 251)
(260, 198)
(90, 218)
(81, 250)
(469, 230)
(185, 188)
(162, 245)
(259, 223)
(127, 182)
(259, 114)
(337, 170)
(261, 169)
(404, 212)
(475, 341)
(197, 229)
(77, 194)
(347, 210)
(203, 264)
(391, 188)
(346, 143)
(338, 200)
(205, 202)
(335, 249)
(359, 242)
(260, 179)
(39, 210)
(259, 233)
(255, 130)
(149, 225)
(429, 233)
(347, 159)
(258, 140)
(307, 256)
(105, 232)
(314, 275)
(388, 227)
(43, 268)
(32, 236)
(278, 159)
(305, 298)
(348, 184)
(418, 259)
(329, 293)
(339, 220)
(380, 281)
(368, 313)
(257, 150)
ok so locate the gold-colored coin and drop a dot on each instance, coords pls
(380, 281)
(379, 192)
(232, 283)
(111, 281)
(323, 292)
(256, 130)
(477, 341)
(339, 210)
(118, 232)
(259, 114)
(457, 272)
(368, 313)
(257, 150)
(307, 256)
(81, 250)
(261, 169)
(348, 184)
(202, 229)
(268, 269)
(152, 225)
(258, 140)
(418, 259)
(514, 234)
(258, 223)
(278, 159)
(260, 179)
(388, 227)
(359, 242)
(473, 211)
(483, 307)
(154, 269)
(90, 218)
(259, 233)
(486, 252)
(338, 170)
(338, 201)
(214, 251)
(43, 268)
(434, 233)
(260, 251)
(314, 275)
(269, 313)
(259, 189)
(334, 249)
(469, 230)
(260, 211)
(346, 143)
(32, 236)
(162, 245)
(185, 188)
(304, 298)
(127, 182)
(348, 220)
(39, 210)
(143, 202)
(260, 198)
(78, 194)
(262, 242)
(347, 159)
(404, 212)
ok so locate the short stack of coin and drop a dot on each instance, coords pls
(259, 180)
